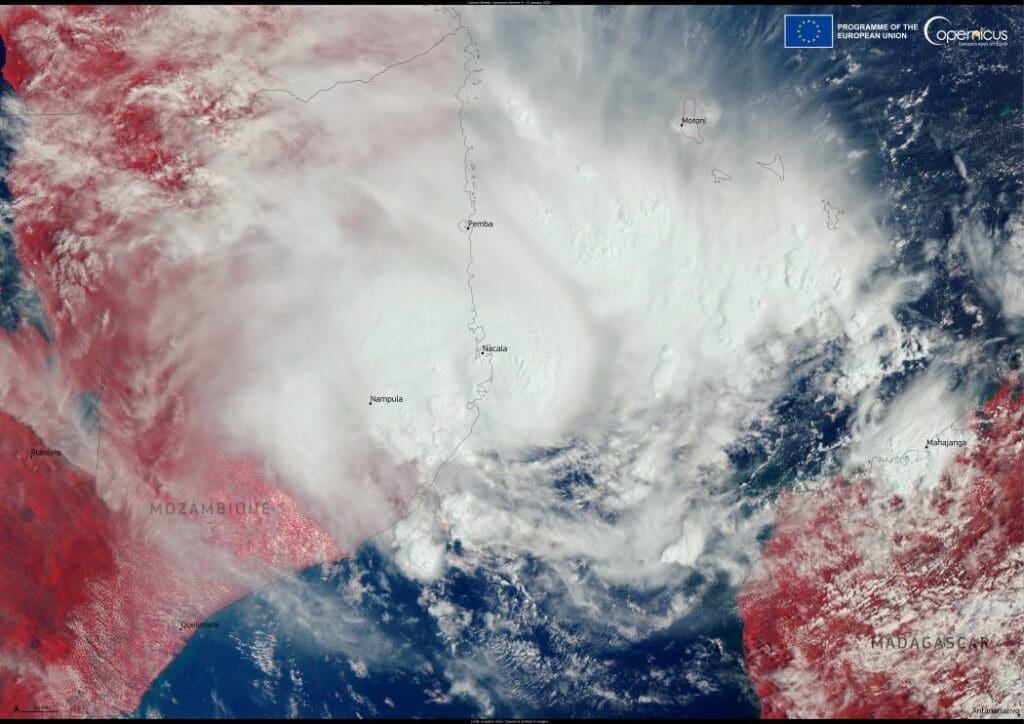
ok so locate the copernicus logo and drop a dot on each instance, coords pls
(938, 30)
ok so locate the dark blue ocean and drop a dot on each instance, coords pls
(398, 663)
(974, 115)
(356, 638)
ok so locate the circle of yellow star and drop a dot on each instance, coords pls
(800, 30)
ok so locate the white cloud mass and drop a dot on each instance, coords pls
(647, 314)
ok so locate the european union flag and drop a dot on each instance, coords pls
(808, 31)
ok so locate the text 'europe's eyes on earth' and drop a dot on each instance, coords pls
(498, 362)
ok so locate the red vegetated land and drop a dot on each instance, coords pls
(91, 605)
(55, 537)
(93, 582)
(853, 577)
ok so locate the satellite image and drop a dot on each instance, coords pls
(519, 361)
